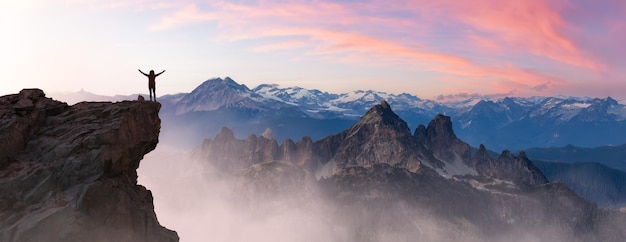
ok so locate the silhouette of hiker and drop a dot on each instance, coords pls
(151, 82)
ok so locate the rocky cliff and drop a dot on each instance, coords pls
(68, 173)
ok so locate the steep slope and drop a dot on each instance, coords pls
(68, 173)
(440, 140)
(506, 166)
(380, 136)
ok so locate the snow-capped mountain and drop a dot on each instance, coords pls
(505, 123)
(350, 105)
(293, 112)
(217, 93)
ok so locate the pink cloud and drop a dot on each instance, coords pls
(281, 46)
(188, 14)
(497, 45)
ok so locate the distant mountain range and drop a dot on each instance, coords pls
(292, 112)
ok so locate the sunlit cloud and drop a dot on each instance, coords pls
(482, 35)
(189, 14)
(492, 46)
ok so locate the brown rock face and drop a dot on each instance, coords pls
(441, 140)
(68, 173)
(379, 137)
(506, 166)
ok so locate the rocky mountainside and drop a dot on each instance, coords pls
(68, 173)
(385, 184)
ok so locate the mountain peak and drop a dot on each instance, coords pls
(225, 134)
(268, 134)
(441, 140)
(382, 114)
(213, 94)
(381, 136)
(440, 128)
(216, 83)
(611, 101)
(385, 105)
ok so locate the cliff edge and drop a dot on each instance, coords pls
(68, 173)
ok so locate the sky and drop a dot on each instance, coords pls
(442, 48)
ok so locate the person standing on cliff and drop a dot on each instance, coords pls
(151, 82)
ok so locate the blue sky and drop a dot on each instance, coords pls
(426, 48)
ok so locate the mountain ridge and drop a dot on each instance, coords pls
(379, 177)
(501, 123)
(380, 136)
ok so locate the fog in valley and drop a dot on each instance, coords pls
(203, 204)
(375, 181)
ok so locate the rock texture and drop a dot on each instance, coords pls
(380, 136)
(68, 173)
(515, 168)
(381, 183)
(439, 137)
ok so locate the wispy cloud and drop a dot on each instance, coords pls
(495, 45)
(186, 15)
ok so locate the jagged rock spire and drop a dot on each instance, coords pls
(380, 136)
(509, 167)
(439, 137)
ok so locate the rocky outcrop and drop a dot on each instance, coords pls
(441, 140)
(379, 137)
(68, 173)
(514, 168)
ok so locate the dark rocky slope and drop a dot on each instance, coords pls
(68, 173)
(389, 185)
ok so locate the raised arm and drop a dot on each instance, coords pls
(142, 72)
(160, 73)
